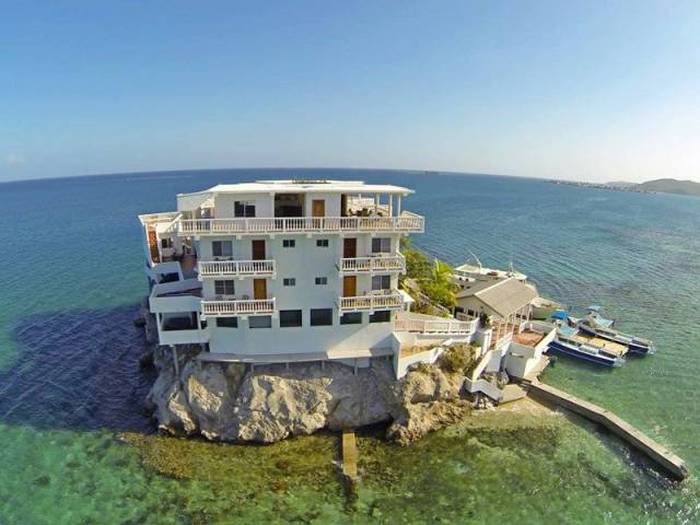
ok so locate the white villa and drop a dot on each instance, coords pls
(291, 271)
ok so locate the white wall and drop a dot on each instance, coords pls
(224, 204)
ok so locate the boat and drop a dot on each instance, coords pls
(478, 272)
(570, 341)
(594, 312)
(543, 308)
(574, 348)
(637, 345)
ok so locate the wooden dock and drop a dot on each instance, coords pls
(350, 455)
(631, 435)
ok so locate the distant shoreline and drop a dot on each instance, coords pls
(669, 186)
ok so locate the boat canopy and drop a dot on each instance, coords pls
(560, 315)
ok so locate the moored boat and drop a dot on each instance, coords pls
(637, 345)
(543, 308)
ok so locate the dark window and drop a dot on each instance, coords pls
(243, 209)
(170, 277)
(322, 243)
(288, 243)
(290, 318)
(222, 248)
(166, 243)
(224, 288)
(381, 282)
(382, 316)
(381, 245)
(289, 281)
(351, 318)
(260, 321)
(321, 281)
(321, 316)
(227, 322)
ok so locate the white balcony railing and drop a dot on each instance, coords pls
(264, 267)
(374, 301)
(407, 222)
(377, 263)
(435, 326)
(236, 307)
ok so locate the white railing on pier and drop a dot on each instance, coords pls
(377, 263)
(406, 222)
(434, 326)
(236, 268)
(373, 301)
(238, 307)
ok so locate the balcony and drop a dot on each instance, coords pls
(241, 269)
(180, 331)
(176, 296)
(372, 264)
(407, 222)
(235, 307)
(384, 300)
(431, 325)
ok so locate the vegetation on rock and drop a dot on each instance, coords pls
(434, 279)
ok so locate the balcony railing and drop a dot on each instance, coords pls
(407, 222)
(374, 301)
(264, 267)
(234, 307)
(435, 326)
(377, 263)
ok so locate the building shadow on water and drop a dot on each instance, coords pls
(77, 370)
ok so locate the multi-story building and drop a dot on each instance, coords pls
(285, 271)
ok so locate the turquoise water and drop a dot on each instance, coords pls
(76, 448)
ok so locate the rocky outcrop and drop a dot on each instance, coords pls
(229, 402)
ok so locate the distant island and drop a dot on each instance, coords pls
(680, 187)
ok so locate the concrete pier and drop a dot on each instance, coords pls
(349, 455)
(631, 435)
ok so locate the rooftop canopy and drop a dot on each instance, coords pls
(305, 186)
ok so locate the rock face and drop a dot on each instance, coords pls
(227, 402)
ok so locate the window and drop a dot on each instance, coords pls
(322, 243)
(166, 243)
(290, 318)
(321, 316)
(381, 316)
(227, 322)
(244, 209)
(351, 318)
(321, 281)
(260, 321)
(222, 248)
(381, 245)
(289, 281)
(288, 243)
(224, 288)
(381, 282)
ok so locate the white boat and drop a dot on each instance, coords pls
(543, 308)
(479, 272)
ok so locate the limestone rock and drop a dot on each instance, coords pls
(231, 403)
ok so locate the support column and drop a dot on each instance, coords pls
(398, 205)
(177, 365)
(376, 203)
(391, 204)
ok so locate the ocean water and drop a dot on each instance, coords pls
(76, 447)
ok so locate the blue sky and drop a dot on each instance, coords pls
(578, 90)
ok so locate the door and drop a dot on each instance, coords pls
(153, 245)
(350, 286)
(258, 250)
(349, 248)
(259, 289)
(318, 208)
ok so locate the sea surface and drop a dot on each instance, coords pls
(77, 448)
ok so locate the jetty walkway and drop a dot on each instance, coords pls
(631, 435)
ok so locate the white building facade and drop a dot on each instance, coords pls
(281, 271)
